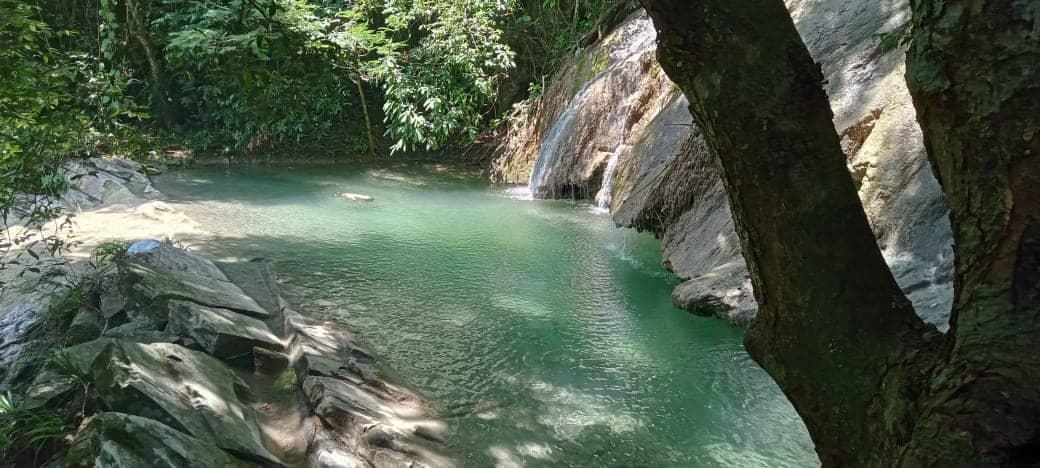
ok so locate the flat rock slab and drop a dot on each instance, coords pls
(123, 440)
(164, 256)
(392, 430)
(150, 285)
(221, 332)
(186, 389)
(724, 292)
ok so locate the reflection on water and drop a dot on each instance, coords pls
(545, 335)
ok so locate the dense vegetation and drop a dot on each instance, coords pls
(128, 76)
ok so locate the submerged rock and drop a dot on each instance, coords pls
(354, 197)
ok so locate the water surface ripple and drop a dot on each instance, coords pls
(544, 334)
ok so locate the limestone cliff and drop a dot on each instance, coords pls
(626, 114)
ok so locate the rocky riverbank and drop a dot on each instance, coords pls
(144, 354)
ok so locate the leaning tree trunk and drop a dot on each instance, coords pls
(871, 381)
(974, 72)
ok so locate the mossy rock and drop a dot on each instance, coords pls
(189, 390)
(123, 440)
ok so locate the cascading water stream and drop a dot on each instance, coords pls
(551, 144)
(606, 191)
(636, 39)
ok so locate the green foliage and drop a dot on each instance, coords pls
(50, 332)
(239, 75)
(894, 39)
(27, 431)
(243, 75)
(56, 102)
(107, 252)
(249, 73)
(548, 32)
(440, 87)
(34, 132)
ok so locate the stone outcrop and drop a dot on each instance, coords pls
(29, 275)
(188, 369)
(25, 296)
(615, 83)
(99, 181)
(118, 439)
(665, 181)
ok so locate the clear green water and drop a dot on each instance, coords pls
(545, 335)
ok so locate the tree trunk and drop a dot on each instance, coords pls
(872, 382)
(368, 120)
(974, 72)
(139, 31)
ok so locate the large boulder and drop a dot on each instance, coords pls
(189, 390)
(220, 332)
(99, 181)
(118, 440)
(163, 255)
(149, 283)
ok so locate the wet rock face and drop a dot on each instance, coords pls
(562, 143)
(666, 182)
(190, 370)
(25, 296)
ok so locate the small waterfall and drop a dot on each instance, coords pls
(550, 146)
(636, 38)
(606, 191)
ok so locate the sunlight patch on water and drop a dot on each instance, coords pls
(521, 306)
(518, 456)
(569, 411)
(726, 455)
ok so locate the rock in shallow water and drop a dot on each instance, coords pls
(354, 197)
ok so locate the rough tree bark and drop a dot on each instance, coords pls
(974, 72)
(874, 385)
